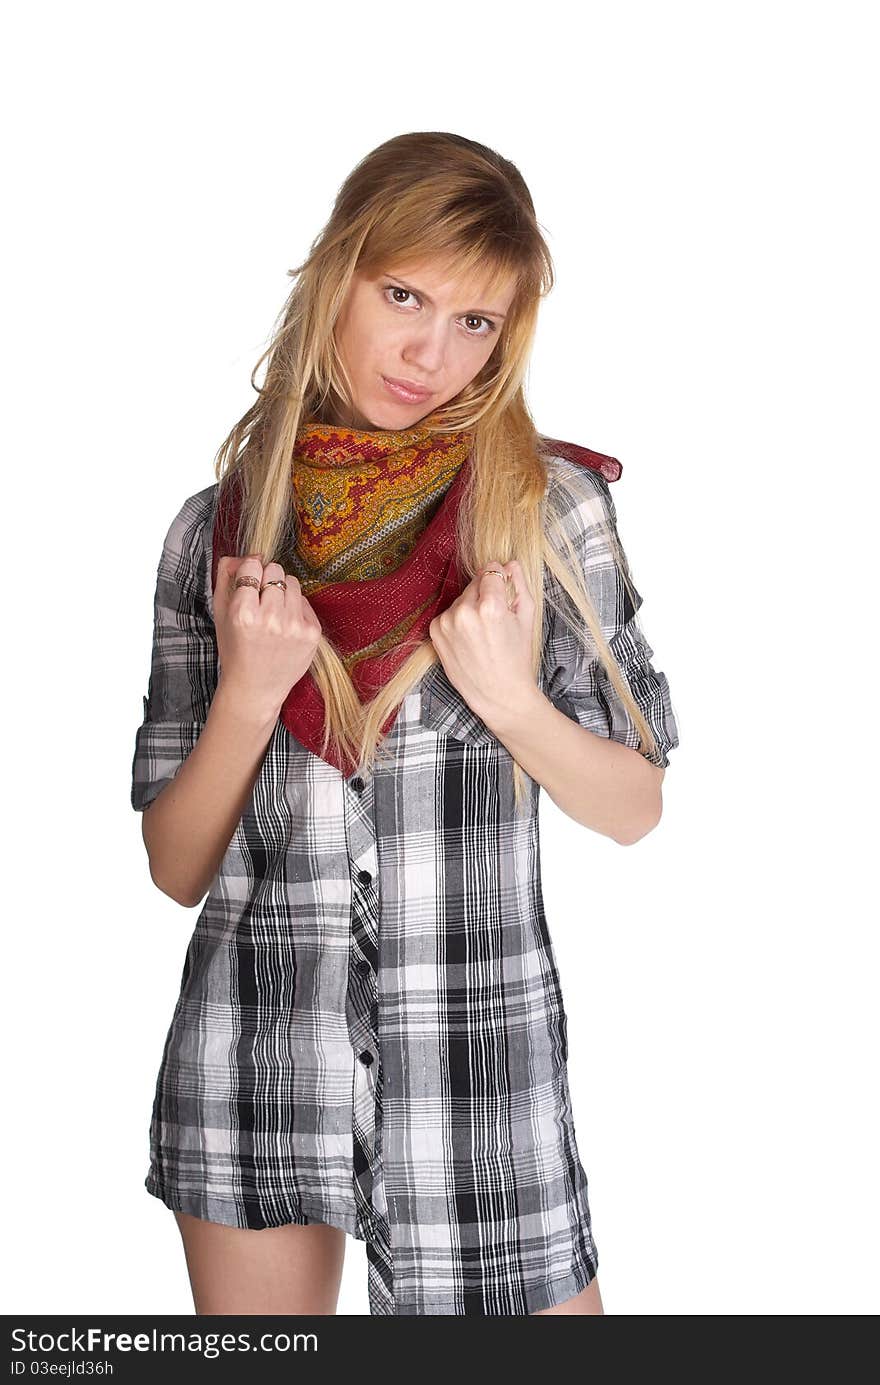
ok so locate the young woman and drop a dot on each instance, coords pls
(397, 615)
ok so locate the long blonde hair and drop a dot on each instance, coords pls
(425, 195)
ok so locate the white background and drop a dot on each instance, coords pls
(704, 175)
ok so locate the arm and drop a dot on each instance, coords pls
(600, 783)
(573, 734)
(198, 752)
(189, 825)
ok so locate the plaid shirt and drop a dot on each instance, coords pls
(370, 1030)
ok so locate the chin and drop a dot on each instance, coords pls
(394, 420)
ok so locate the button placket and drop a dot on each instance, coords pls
(362, 999)
(362, 988)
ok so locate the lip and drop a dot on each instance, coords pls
(405, 389)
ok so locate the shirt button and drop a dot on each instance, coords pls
(357, 783)
(366, 1057)
(364, 877)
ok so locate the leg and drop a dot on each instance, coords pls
(588, 1300)
(281, 1270)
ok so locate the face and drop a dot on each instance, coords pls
(419, 326)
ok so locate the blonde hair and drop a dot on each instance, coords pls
(420, 195)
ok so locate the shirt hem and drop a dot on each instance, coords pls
(230, 1212)
(543, 1296)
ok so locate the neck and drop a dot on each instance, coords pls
(337, 414)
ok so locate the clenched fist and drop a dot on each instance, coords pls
(266, 639)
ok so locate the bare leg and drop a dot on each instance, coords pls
(589, 1300)
(280, 1270)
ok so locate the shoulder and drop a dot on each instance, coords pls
(195, 514)
(578, 501)
(188, 536)
(579, 505)
(184, 574)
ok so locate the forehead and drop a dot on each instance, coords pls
(443, 282)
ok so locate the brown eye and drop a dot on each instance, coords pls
(489, 325)
(396, 288)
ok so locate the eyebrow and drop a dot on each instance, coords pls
(482, 312)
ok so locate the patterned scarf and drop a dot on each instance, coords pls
(363, 498)
(375, 550)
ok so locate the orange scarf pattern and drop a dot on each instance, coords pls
(364, 497)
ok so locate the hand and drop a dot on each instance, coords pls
(266, 640)
(484, 643)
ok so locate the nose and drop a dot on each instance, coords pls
(426, 349)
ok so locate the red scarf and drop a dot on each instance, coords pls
(395, 609)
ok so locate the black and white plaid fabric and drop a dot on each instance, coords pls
(370, 1030)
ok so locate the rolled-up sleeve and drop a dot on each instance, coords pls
(184, 667)
(574, 679)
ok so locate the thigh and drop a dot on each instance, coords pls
(589, 1300)
(280, 1270)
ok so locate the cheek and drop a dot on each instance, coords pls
(385, 346)
(363, 338)
(470, 363)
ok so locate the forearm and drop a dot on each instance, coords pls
(598, 782)
(189, 825)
